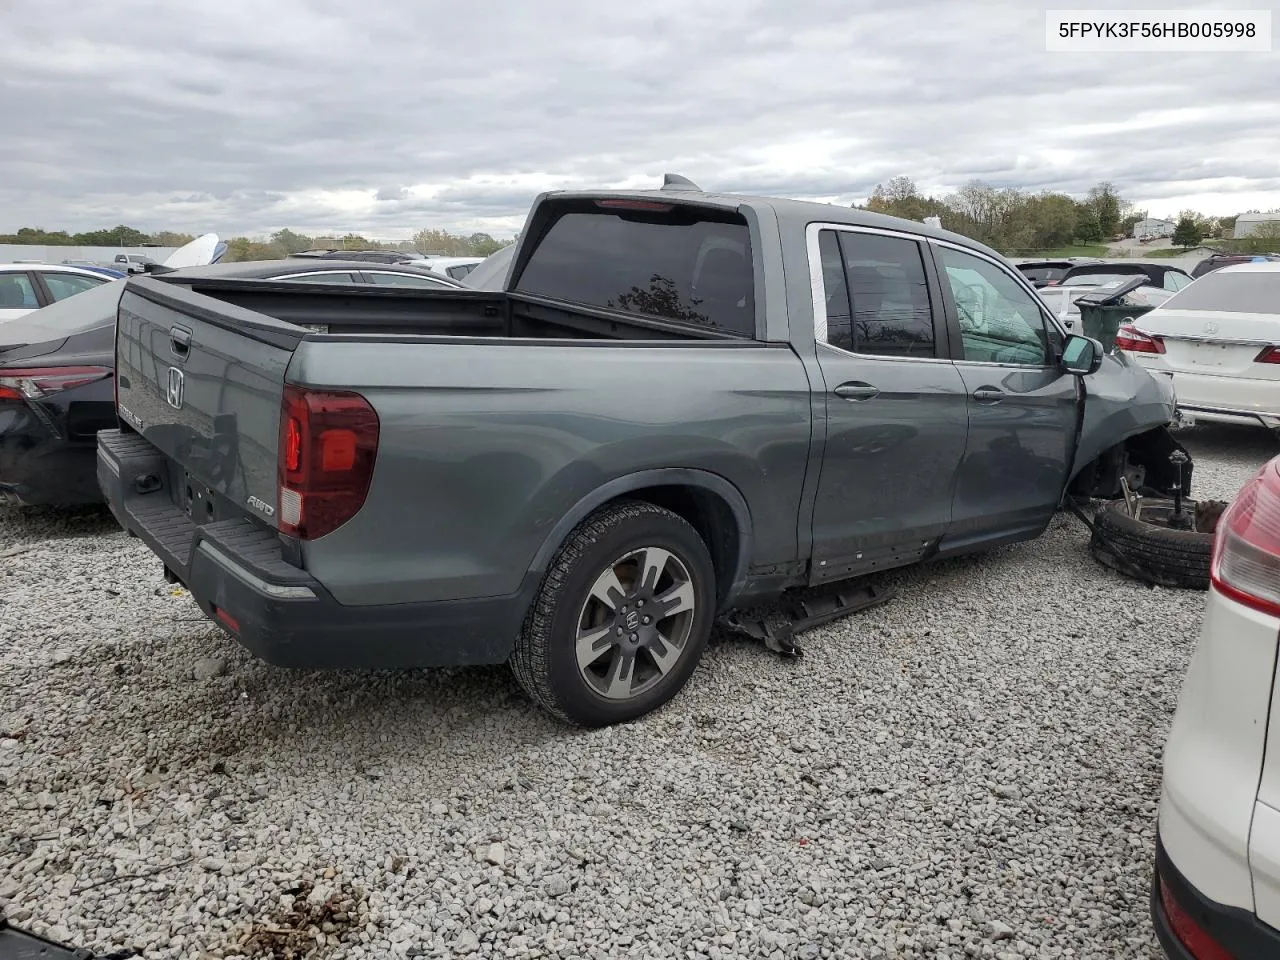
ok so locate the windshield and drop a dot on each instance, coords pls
(491, 273)
(1096, 277)
(1230, 291)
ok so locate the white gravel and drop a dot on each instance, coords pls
(968, 771)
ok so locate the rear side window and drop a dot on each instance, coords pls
(16, 292)
(1230, 292)
(877, 295)
(670, 261)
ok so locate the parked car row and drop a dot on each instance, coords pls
(56, 365)
(455, 268)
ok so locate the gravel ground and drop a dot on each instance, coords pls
(969, 770)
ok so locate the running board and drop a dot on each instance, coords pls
(777, 628)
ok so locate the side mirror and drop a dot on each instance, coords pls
(1081, 356)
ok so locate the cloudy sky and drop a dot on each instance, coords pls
(387, 117)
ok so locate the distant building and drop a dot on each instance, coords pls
(1151, 228)
(1247, 223)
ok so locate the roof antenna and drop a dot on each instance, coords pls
(673, 181)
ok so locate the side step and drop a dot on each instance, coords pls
(777, 627)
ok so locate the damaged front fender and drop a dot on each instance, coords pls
(1125, 430)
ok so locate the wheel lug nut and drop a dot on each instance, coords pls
(634, 638)
(639, 603)
(619, 631)
(647, 619)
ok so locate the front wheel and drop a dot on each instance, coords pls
(621, 618)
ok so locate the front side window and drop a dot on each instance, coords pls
(1175, 281)
(63, 285)
(1000, 322)
(877, 295)
(675, 262)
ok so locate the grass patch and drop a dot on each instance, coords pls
(1167, 252)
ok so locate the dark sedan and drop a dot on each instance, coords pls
(57, 385)
(1160, 275)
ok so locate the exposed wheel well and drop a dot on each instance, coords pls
(1144, 458)
(707, 513)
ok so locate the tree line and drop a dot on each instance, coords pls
(1010, 220)
(1017, 221)
(277, 245)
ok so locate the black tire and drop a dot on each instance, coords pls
(1149, 551)
(545, 659)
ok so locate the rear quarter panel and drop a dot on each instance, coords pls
(486, 446)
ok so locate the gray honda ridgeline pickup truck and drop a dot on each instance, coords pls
(678, 402)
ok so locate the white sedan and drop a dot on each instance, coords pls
(1219, 338)
(1217, 876)
(29, 286)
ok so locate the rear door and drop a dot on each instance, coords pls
(202, 380)
(1023, 409)
(895, 409)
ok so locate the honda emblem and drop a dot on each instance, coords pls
(174, 393)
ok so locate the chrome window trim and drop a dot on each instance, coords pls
(818, 287)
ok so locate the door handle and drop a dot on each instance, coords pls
(180, 341)
(988, 395)
(856, 390)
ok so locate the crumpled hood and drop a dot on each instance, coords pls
(1122, 400)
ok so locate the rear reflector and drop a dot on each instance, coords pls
(1131, 339)
(328, 444)
(36, 382)
(1192, 936)
(1246, 550)
(227, 620)
(1268, 355)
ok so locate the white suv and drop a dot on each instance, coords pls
(1216, 891)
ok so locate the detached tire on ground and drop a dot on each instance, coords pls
(621, 618)
(1151, 550)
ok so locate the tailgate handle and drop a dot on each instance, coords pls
(180, 341)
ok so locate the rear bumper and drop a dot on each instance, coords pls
(1242, 417)
(1238, 931)
(39, 467)
(1226, 399)
(280, 613)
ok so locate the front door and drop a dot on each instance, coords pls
(895, 406)
(1023, 408)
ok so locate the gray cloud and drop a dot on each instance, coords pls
(316, 115)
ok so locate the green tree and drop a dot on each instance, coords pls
(1106, 204)
(291, 242)
(1088, 230)
(1187, 233)
(168, 238)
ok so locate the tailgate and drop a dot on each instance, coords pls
(201, 380)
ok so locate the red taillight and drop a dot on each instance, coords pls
(634, 205)
(328, 443)
(36, 382)
(1246, 550)
(1268, 355)
(1130, 338)
(1192, 936)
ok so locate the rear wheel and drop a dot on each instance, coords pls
(621, 618)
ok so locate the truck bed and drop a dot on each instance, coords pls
(343, 310)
